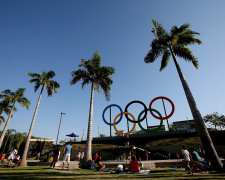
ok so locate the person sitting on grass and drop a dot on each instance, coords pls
(134, 165)
(17, 160)
(12, 156)
(98, 164)
(195, 155)
(200, 166)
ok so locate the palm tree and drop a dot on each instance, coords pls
(175, 44)
(11, 98)
(91, 72)
(9, 134)
(43, 81)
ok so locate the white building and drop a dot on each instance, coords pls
(188, 125)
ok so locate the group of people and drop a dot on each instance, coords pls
(200, 161)
(12, 158)
(133, 166)
(80, 156)
(197, 158)
(144, 156)
(66, 157)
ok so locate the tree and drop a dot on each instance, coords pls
(222, 121)
(214, 119)
(43, 81)
(19, 138)
(9, 135)
(91, 72)
(175, 44)
(10, 98)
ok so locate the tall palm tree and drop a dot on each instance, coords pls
(11, 98)
(175, 44)
(43, 81)
(91, 72)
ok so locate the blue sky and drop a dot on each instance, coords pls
(56, 35)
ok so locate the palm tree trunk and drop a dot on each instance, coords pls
(6, 125)
(199, 123)
(88, 148)
(24, 160)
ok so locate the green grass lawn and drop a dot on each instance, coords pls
(35, 172)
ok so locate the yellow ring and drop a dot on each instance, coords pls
(120, 133)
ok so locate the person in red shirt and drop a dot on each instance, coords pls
(134, 165)
(95, 157)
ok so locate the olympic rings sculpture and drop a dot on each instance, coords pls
(139, 119)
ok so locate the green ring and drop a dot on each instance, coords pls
(150, 130)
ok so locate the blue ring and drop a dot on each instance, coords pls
(121, 116)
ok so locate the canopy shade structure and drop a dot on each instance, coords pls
(72, 135)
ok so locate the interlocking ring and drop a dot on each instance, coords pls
(121, 133)
(145, 109)
(150, 130)
(139, 120)
(166, 117)
(103, 114)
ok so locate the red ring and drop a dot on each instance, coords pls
(162, 118)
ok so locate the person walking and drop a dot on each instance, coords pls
(55, 156)
(78, 156)
(67, 151)
(187, 158)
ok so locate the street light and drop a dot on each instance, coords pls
(62, 113)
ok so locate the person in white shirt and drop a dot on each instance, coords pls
(187, 158)
(12, 156)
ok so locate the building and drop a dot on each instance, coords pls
(187, 125)
(162, 129)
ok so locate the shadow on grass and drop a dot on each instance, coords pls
(46, 173)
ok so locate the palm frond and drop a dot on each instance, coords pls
(36, 86)
(182, 29)
(78, 75)
(34, 75)
(186, 54)
(49, 92)
(2, 119)
(86, 81)
(158, 30)
(50, 74)
(165, 60)
(106, 90)
(188, 40)
(24, 102)
(34, 80)
(96, 59)
(54, 85)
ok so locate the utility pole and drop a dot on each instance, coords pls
(82, 136)
(166, 115)
(59, 126)
(98, 132)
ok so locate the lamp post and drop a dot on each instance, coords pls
(59, 127)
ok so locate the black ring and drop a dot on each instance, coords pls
(127, 111)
